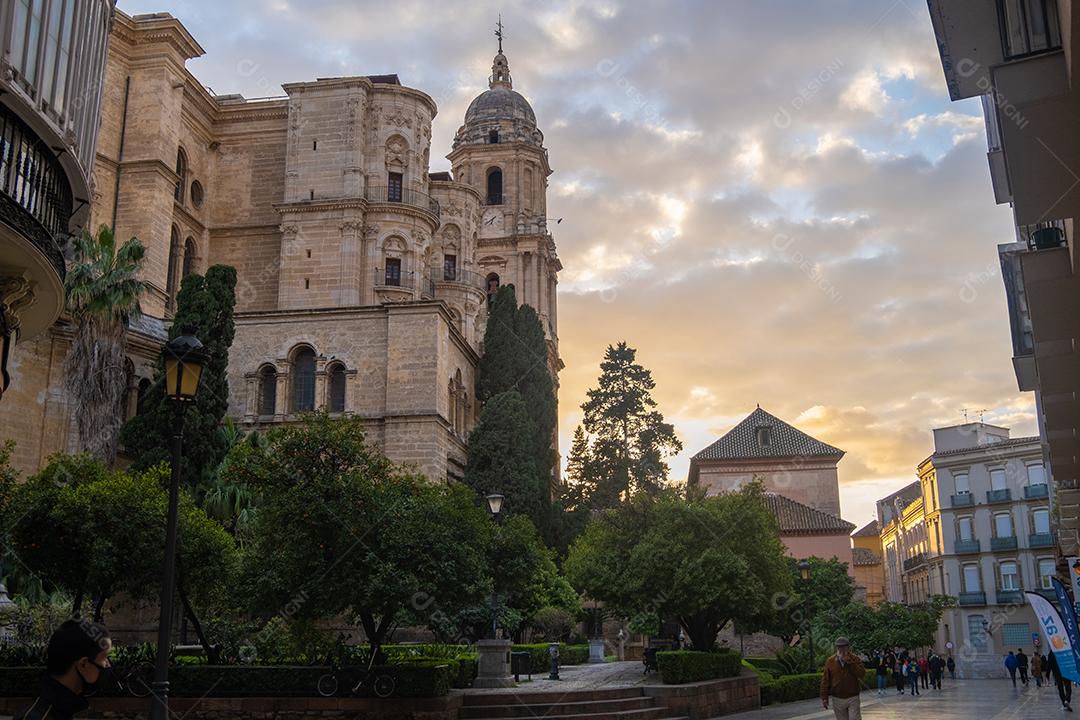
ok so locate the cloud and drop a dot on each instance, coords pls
(775, 207)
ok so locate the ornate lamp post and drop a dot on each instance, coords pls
(493, 665)
(495, 503)
(184, 360)
(804, 576)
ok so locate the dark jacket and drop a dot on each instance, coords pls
(1052, 667)
(1022, 660)
(54, 702)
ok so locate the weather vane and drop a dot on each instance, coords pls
(499, 31)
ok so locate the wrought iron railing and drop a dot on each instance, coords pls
(406, 280)
(35, 196)
(405, 196)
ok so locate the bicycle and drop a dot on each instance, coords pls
(380, 684)
(136, 679)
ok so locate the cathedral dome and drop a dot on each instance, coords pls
(499, 103)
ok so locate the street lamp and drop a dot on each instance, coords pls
(495, 503)
(804, 576)
(184, 358)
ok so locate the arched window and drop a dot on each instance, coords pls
(267, 390)
(189, 258)
(174, 258)
(337, 389)
(303, 385)
(494, 187)
(493, 137)
(459, 403)
(492, 286)
(143, 393)
(181, 175)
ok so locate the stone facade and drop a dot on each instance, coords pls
(363, 279)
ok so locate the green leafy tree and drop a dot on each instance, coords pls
(705, 561)
(343, 531)
(630, 442)
(571, 506)
(829, 588)
(204, 308)
(887, 625)
(498, 365)
(103, 293)
(502, 458)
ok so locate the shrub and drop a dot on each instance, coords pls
(769, 665)
(553, 623)
(788, 688)
(20, 681)
(685, 666)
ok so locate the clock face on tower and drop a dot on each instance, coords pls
(491, 223)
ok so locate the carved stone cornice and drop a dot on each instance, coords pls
(306, 206)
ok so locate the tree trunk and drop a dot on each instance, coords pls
(701, 629)
(76, 604)
(212, 654)
(99, 607)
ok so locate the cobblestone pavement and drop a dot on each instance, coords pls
(961, 699)
(581, 677)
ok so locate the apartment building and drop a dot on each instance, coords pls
(1018, 57)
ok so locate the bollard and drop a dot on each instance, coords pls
(553, 653)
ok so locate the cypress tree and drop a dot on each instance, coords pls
(536, 387)
(502, 458)
(498, 367)
(204, 308)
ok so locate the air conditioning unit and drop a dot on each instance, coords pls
(1047, 237)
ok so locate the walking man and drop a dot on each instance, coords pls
(1064, 684)
(898, 675)
(937, 665)
(924, 671)
(884, 664)
(951, 664)
(1011, 664)
(841, 682)
(1022, 665)
(1036, 668)
(77, 663)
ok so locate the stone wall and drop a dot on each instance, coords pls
(709, 698)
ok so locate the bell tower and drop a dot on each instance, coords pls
(500, 152)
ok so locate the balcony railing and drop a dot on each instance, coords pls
(914, 561)
(1034, 492)
(407, 280)
(35, 197)
(1003, 543)
(405, 196)
(964, 500)
(967, 547)
(971, 598)
(1010, 597)
(1040, 540)
(1044, 235)
(997, 496)
(463, 277)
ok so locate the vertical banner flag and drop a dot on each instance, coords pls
(1057, 637)
(1068, 616)
(1074, 578)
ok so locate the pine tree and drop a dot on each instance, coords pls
(630, 440)
(502, 458)
(498, 366)
(204, 309)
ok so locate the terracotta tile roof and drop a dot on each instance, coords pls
(795, 518)
(784, 441)
(871, 529)
(862, 556)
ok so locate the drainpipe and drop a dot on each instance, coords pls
(120, 152)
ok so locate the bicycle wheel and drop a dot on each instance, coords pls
(140, 678)
(383, 686)
(327, 685)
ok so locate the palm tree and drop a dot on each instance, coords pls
(103, 292)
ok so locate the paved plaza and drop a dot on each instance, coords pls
(961, 699)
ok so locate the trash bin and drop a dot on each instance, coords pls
(520, 664)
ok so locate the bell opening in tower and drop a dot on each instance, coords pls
(494, 187)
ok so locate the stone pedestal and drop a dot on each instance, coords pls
(596, 650)
(493, 669)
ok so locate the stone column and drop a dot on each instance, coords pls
(494, 664)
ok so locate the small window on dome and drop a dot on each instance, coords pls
(493, 137)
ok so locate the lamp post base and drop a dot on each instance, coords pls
(493, 669)
(596, 650)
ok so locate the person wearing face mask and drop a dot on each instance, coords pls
(77, 663)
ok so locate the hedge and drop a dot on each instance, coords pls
(685, 666)
(788, 688)
(768, 665)
(540, 661)
(421, 679)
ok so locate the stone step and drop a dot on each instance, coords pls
(524, 697)
(651, 713)
(528, 709)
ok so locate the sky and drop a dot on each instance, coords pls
(774, 202)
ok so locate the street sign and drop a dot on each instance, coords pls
(1035, 639)
(948, 645)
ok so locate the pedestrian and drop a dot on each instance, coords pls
(898, 674)
(884, 665)
(1046, 666)
(841, 682)
(1022, 665)
(913, 676)
(1011, 664)
(937, 665)
(951, 664)
(1036, 668)
(924, 670)
(76, 664)
(1064, 684)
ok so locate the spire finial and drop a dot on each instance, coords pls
(500, 68)
(499, 31)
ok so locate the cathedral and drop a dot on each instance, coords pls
(363, 278)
